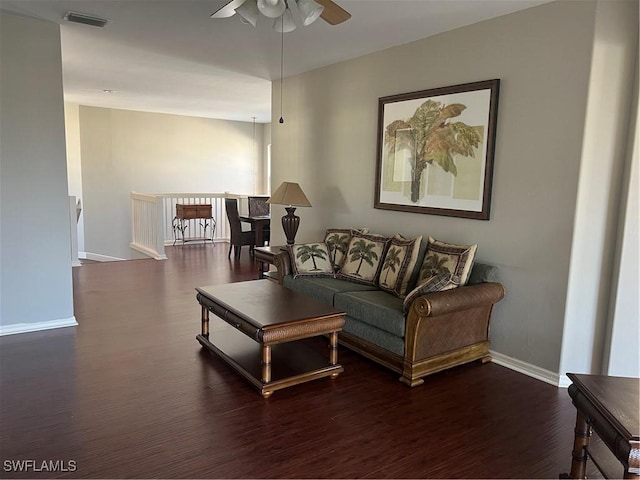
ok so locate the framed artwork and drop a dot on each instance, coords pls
(435, 150)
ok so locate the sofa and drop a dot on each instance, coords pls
(429, 325)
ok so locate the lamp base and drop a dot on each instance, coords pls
(290, 224)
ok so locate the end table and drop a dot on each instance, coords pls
(607, 407)
(266, 256)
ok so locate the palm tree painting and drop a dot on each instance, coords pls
(364, 252)
(337, 243)
(432, 138)
(391, 261)
(311, 252)
(434, 264)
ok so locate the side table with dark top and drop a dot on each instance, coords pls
(188, 212)
(607, 408)
(267, 256)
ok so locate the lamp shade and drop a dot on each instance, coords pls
(272, 8)
(309, 11)
(285, 23)
(289, 193)
(249, 11)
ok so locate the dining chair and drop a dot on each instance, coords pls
(239, 238)
(258, 207)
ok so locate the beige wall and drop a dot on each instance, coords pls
(263, 186)
(125, 151)
(603, 181)
(35, 288)
(621, 351)
(543, 58)
(74, 161)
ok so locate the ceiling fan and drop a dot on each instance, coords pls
(281, 10)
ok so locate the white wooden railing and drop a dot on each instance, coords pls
(147, 224)
(152, 219)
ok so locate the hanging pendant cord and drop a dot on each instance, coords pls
(281, 66)
(254, 136)
(255, 154)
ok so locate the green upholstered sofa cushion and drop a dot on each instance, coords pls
(374, 335)
(323, 288)
(483, 273)
(377, 308)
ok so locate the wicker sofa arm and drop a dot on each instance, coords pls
(282, 262)
(448, 328)
(472, 296)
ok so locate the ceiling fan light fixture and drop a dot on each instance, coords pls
(285, 24)
(228, 10)
(272, 8)
(310, 11)
(249, 12)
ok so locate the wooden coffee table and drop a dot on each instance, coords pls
(256, 327)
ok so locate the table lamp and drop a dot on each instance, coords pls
(290, 194)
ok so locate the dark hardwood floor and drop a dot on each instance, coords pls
(130, 394)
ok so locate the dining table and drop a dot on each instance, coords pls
(258, 224)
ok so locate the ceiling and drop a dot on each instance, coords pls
(169, 56)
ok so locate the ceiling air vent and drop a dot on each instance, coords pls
(86, 19)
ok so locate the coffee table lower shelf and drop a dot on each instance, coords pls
(292, 363)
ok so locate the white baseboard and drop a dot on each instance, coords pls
(564, 381)
(147, 251)
(530, 370)
(99, 258)
(76, 263)
(37, 326)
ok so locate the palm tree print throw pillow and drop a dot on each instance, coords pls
(310, 259)
(398, 265)
(445, 258)
(364, 258)
(337, 241)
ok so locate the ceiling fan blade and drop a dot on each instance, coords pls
(333, 13)
(227, 10)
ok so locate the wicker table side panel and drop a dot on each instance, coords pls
(301, 329)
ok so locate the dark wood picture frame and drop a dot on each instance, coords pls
(436, 150)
